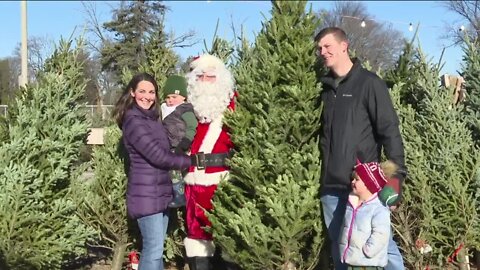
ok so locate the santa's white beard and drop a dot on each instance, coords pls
(209, 100)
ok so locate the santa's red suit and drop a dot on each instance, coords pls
(200, 185)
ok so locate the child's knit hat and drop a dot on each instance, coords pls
(372, 175)
(175, 84)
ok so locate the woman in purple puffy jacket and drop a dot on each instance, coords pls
(149, 188)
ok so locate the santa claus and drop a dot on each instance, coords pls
(211, 92)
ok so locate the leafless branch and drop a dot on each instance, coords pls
(469, 13)
(184, 40)
(376, 42)
(94, 26)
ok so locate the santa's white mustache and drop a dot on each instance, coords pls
(209, 100)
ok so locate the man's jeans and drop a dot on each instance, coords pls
(153, 229)
(334, 204)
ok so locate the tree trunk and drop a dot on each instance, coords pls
(118, 255)
(477, 259)
(100, 108)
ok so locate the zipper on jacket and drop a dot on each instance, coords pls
(350, 228)
(330, 124)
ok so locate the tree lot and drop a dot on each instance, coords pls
(51, 218)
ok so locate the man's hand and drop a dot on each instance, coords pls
(391, 194)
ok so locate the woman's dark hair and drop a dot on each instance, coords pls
(126, 101)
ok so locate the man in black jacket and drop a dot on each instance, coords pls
(358, 120)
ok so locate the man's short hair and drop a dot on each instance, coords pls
(337, 32)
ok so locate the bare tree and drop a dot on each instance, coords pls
(39, 49)
(374, 40)
(469, 12)
(94, 26)
(14, 65)
(5, 88)
(107, 81)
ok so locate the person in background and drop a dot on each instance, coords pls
(358, 121)
(180, 122)
(149, 187)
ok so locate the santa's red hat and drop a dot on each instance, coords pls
(372, 175)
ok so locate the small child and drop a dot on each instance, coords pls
(181, 124)
(366, 225)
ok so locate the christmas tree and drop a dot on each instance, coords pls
(267, 215)
(160, 59)
(471, 75)
(403, 68)
(45, 129)
(103, 209)
(439, 212)
(132, 24)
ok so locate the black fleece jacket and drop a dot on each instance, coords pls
(358, 119)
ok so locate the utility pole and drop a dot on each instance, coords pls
(23, 78)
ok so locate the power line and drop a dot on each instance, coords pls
(363, 23)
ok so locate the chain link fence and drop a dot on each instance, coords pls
(104, 109)
(99, 115)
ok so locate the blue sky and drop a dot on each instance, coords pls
(52, 19)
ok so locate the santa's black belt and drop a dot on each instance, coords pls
(202, 160)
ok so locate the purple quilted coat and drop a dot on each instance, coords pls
(149, 188)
